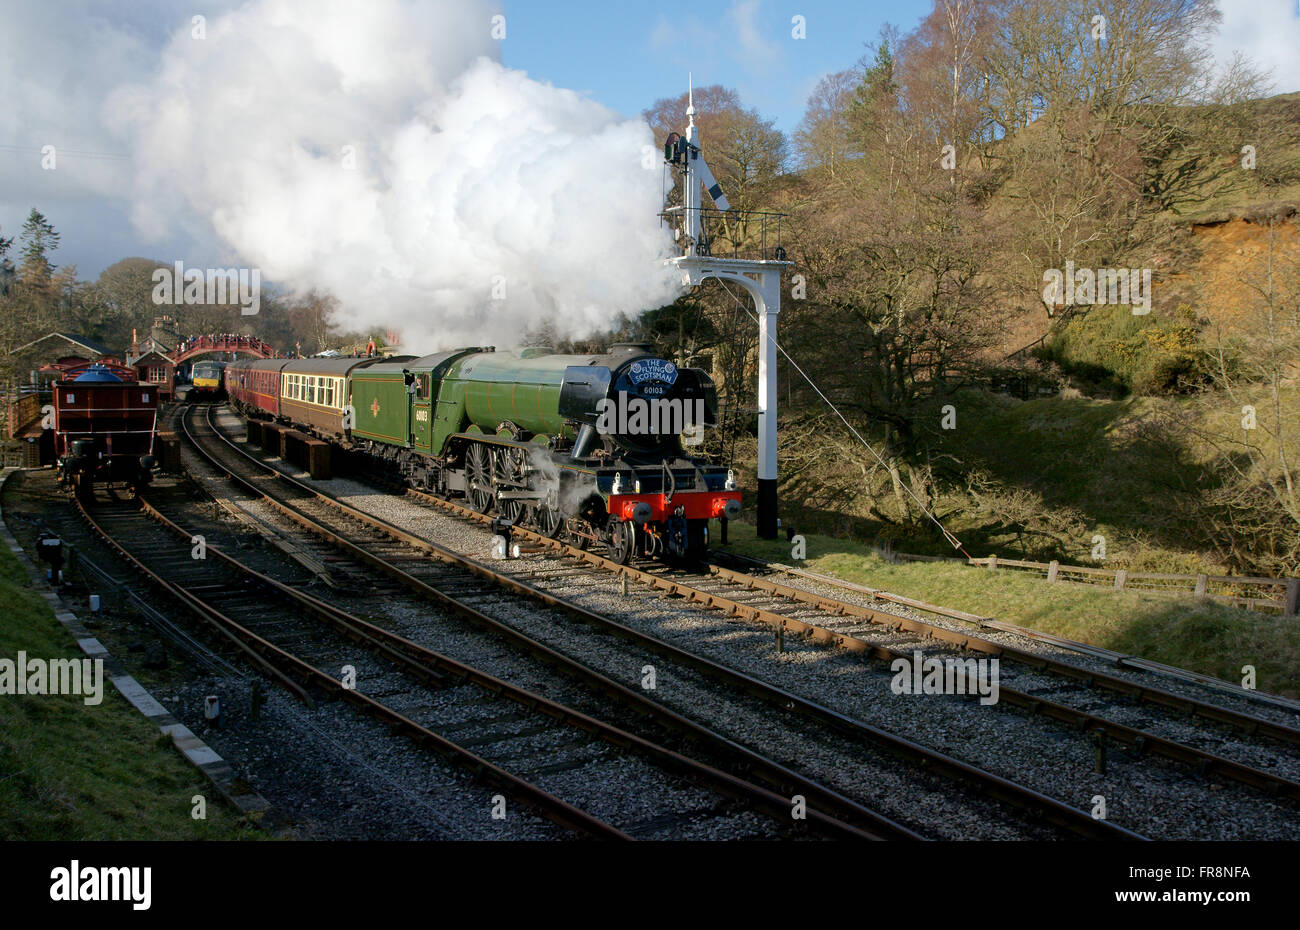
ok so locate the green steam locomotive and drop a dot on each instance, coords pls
(590, 446)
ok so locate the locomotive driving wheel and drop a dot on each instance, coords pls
(548, 520)
(622, 540)
(478, 476)
(508, 466)
(578, 533)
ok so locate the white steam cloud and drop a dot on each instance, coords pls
(380, 152)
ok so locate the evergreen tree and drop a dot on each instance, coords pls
(878, 88)
(6, 266)
(39, 240)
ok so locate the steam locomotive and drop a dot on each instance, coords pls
(586, 445)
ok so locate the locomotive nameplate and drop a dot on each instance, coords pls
(652, 371)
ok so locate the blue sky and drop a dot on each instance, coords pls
(628, 54)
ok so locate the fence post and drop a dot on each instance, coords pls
(1052, 568)
(1201, 581)
(1292, 599)
(992, 562)
(1121, 578)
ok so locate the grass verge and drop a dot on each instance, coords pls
(69, 771)
(1208, 638)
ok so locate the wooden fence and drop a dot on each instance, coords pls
(20, 413)
(1280, 594)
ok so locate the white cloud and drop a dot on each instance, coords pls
(228, 149)
(1266, 30)
(467, 175)
(757, 50)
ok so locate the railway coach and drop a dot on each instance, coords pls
(310, 393)
(207, 379)
(254, 386)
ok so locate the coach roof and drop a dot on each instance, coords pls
(336, 367)
(402, 363)
(261, 364)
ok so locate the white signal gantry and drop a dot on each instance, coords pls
(760, 277)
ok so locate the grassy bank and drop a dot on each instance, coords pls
(1040, 479)
(69, 771)
(1206, 638)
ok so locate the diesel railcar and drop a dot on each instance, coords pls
(207, 378)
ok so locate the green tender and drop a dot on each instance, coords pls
(379, 404)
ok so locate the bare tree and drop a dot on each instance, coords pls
(824, 138)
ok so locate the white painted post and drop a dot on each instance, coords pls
(767, 298)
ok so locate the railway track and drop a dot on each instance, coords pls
(790, 610)
(294, 638)
(402, 556)
(377, 552)
(1215, 713)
